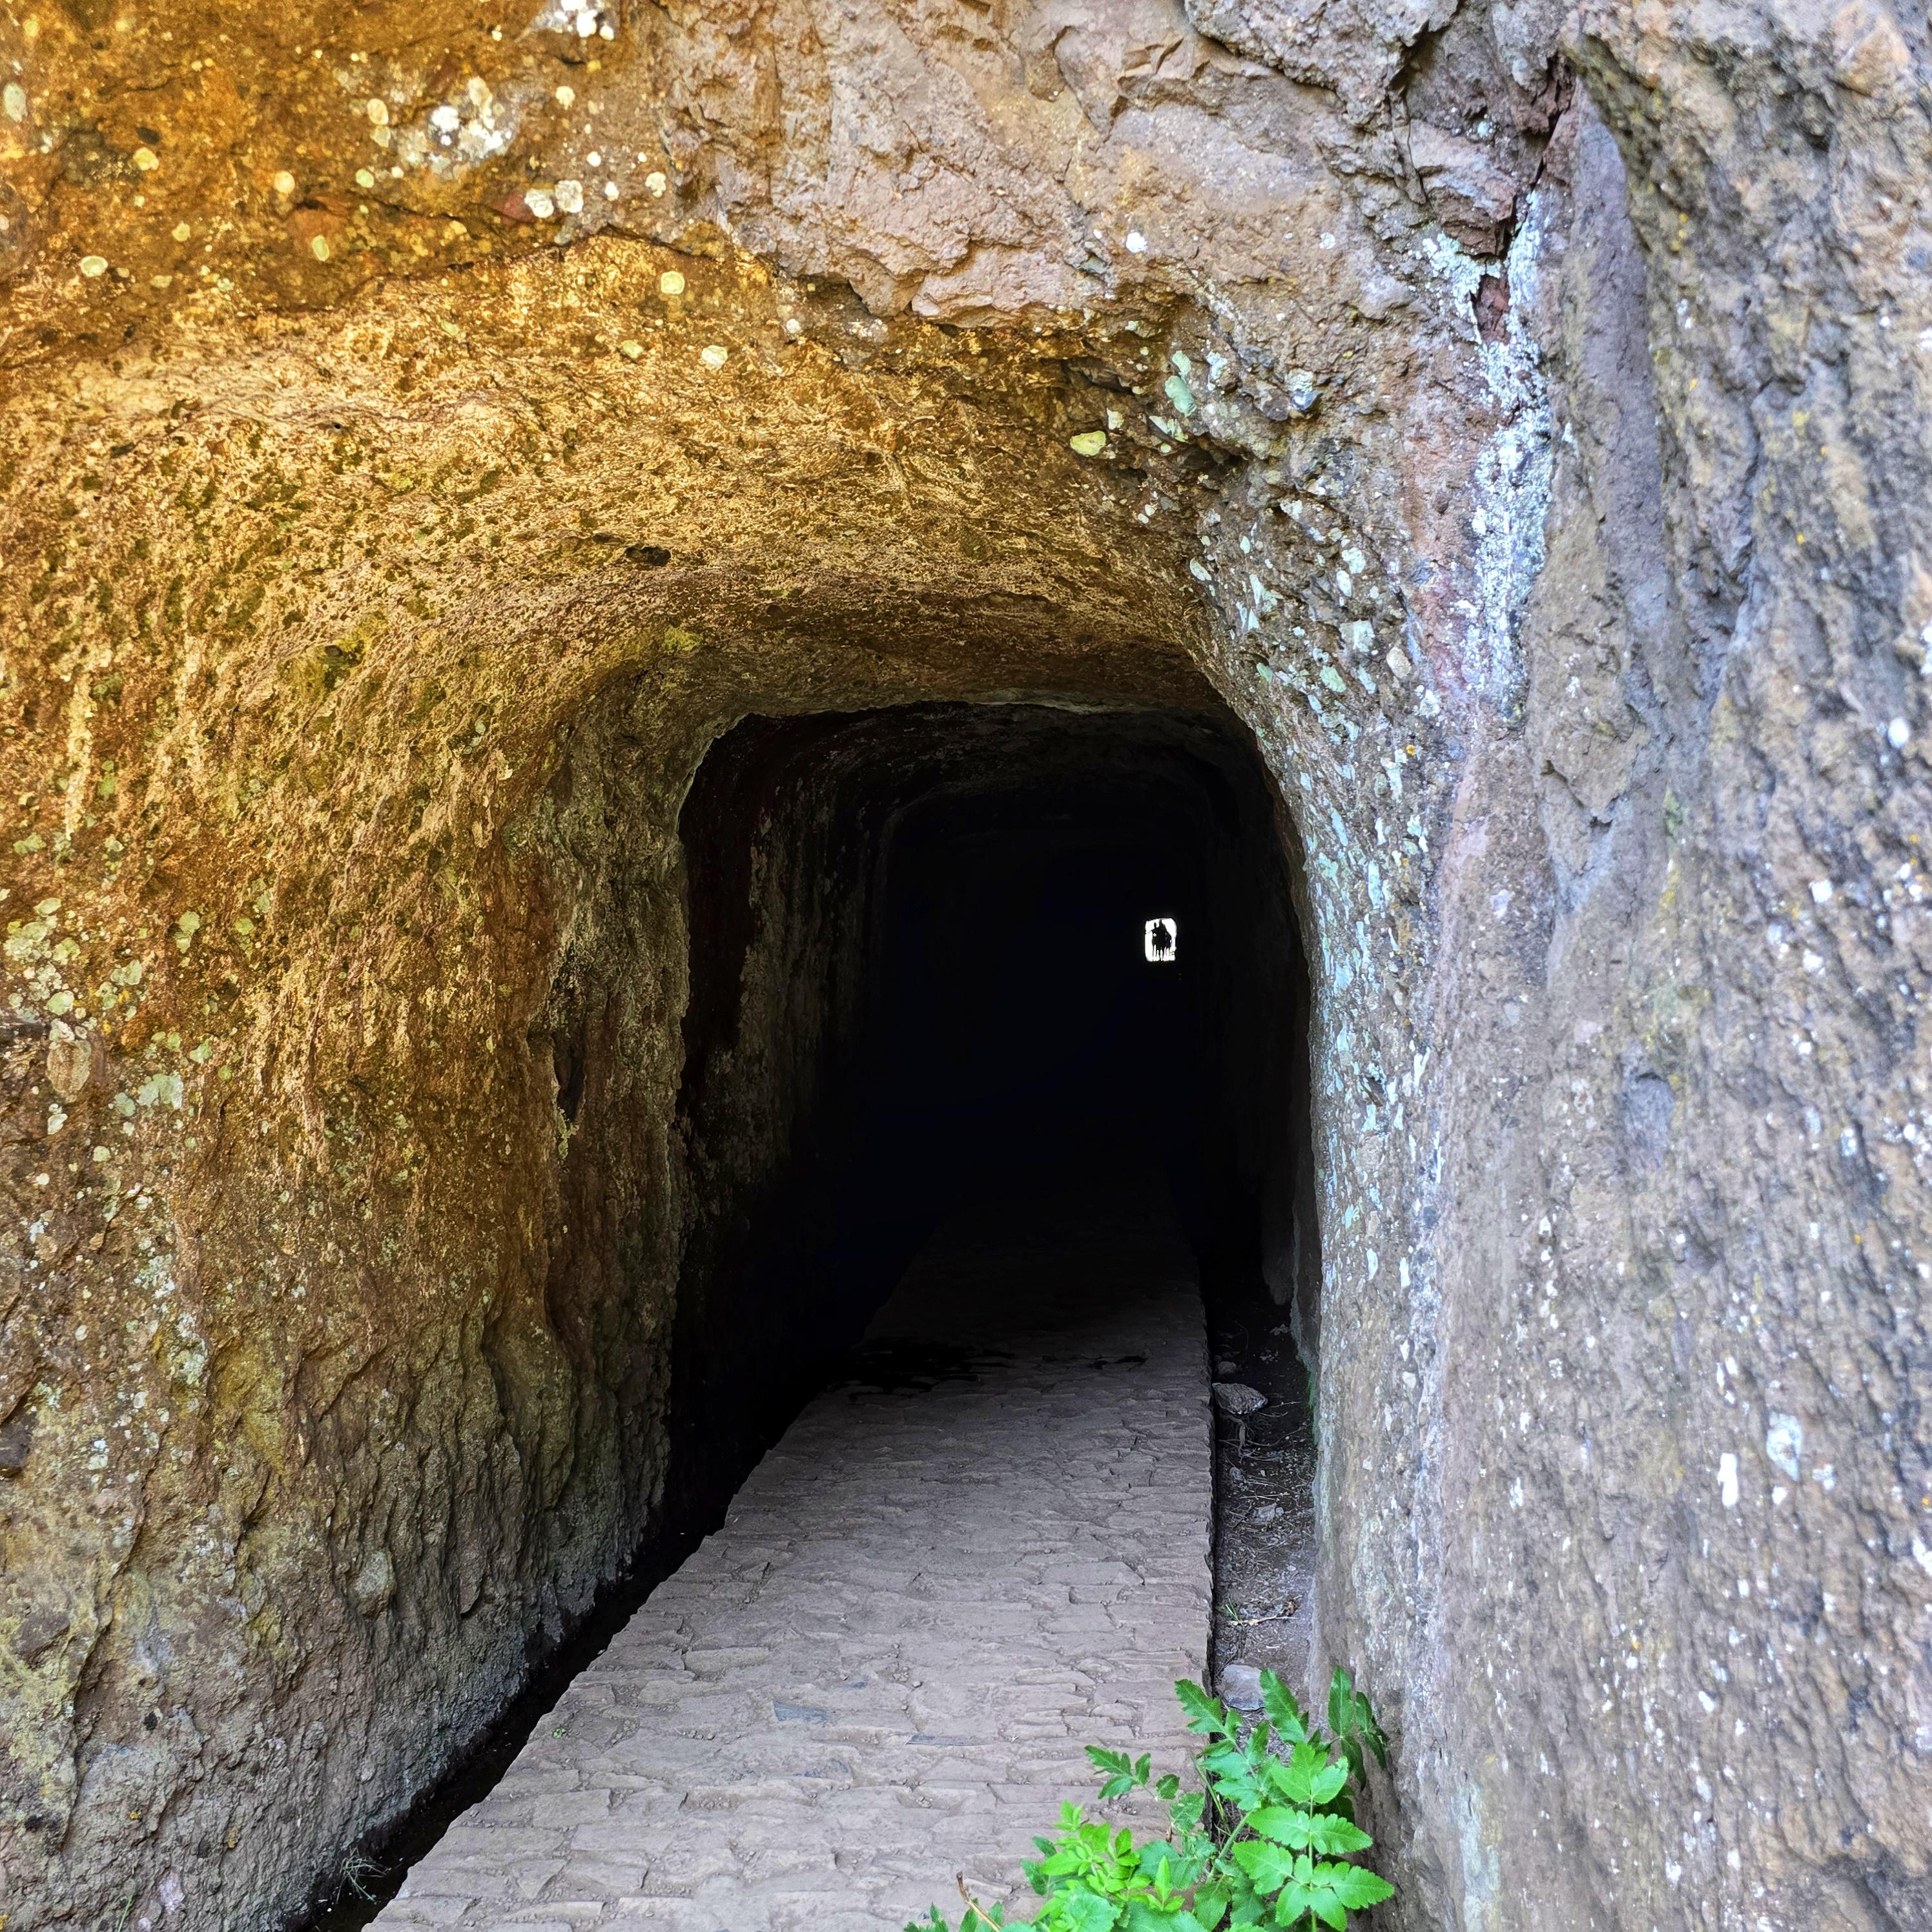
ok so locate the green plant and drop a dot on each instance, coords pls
(1267, 1841)
(360, 1873)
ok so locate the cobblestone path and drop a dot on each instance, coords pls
(989, 1550)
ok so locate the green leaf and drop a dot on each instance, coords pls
(1210, 1906)
(1269, 1867)
(1308, 1777)
(1297, 1899)
(1153, 1856)
(1352, 1721)
(1088, 1911)
(1330, 1892)
(1300, 1893)
(1283, 1786)
(1283, 1712)
(1230, 1777)
(1294, 1829)
(1341, 1700)
(1206, 1714)
(1355, 1886)
(1292, 1906)
(1247, 1907)
(1334, 1835)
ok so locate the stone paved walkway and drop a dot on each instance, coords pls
(947, 1579)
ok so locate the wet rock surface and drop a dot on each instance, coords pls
(1265, 1547)
(1521, 427)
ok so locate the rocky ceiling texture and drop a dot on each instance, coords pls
(426, 427)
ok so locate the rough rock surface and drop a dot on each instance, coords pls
(385, 547)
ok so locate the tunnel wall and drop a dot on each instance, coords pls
(1589, 345)
(787, 1248)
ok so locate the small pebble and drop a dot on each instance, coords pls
(670, 283)
(714, 356)
(1088, 443)
(285, 183)
(93, 264)
(319, 248)
(1238, 1398)
(1240, 1685)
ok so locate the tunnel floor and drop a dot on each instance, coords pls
(986, 1549)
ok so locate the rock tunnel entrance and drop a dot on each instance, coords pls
(1510, 411)
(927, 1046)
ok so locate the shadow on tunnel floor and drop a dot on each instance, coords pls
(1019, 1262)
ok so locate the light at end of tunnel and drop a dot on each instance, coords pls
(1163, 940)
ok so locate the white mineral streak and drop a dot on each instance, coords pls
(1510, 483)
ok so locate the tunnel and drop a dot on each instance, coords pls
(993, 1054)
(622, 619)
(956, 958)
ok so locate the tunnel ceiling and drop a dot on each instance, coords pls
(1515, 416)
(994, 759)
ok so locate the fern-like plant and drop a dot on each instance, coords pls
(1269, 1839)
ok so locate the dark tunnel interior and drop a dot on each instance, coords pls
(918, 980)
(920, 974)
